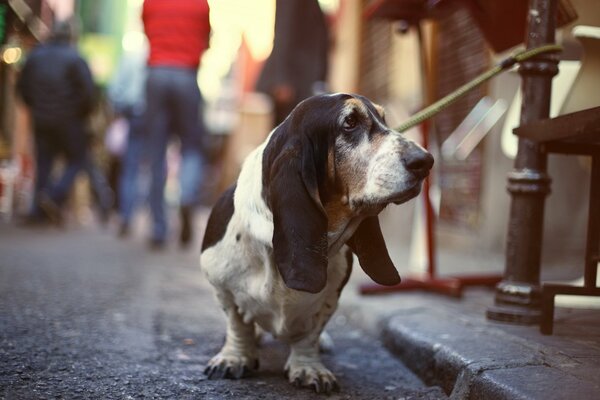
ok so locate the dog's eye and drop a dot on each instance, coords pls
(350, 122)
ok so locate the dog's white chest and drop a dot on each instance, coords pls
(243, 267)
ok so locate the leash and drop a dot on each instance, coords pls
(445, 101)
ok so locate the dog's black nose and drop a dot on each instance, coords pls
(418, 162)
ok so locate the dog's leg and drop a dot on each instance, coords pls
(259, 335)
(325, 343)
(304, 366)
(239, 355)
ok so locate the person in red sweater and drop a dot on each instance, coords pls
(178, 33)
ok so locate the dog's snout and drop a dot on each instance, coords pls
(418, 161)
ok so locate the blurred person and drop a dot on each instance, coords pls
(126, 94)
(297, 66)
(56, 85)
(115, 143)
(104, 195)
(178, 34)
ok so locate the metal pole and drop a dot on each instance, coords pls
(518, 294)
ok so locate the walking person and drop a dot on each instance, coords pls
(297, 66)
(56, 85)
(178, 33)
(126, 94)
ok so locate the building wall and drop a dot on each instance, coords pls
(345, 50)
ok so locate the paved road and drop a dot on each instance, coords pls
(84, 315)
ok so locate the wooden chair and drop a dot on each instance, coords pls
(576, 133)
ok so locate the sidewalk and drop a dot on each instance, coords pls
(449, 343)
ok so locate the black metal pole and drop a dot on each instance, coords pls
(518, 294)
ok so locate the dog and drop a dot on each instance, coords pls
(279, 244)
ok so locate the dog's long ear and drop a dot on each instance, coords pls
(299, 219)
(368, 244)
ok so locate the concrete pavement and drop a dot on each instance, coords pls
(86, 315)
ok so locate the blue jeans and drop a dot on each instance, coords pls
(173, 105)
(129, 185)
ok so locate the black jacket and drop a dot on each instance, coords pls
(56, 84)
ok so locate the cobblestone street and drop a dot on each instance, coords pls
(85, 315)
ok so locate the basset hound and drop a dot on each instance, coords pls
(278, 244)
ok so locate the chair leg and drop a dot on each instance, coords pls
(592, 250)
(547, 317)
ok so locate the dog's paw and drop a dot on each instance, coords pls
(312, 374)
(227, 366)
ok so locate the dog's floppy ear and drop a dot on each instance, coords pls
(299, 220)
(368, 244)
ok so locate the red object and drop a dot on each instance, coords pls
(411, 11)
(451, 286)
(178, 31)
(502, 22)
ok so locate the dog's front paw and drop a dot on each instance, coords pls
(230, 366)
(311, 374)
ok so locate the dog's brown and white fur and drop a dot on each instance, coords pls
(278, 244)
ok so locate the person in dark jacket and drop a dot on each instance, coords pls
(56, 85)
(297, 65)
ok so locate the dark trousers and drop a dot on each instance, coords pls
(173, 106)
(52, 141)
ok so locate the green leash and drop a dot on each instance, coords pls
(445, 101)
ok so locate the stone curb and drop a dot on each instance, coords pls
(470, 361)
